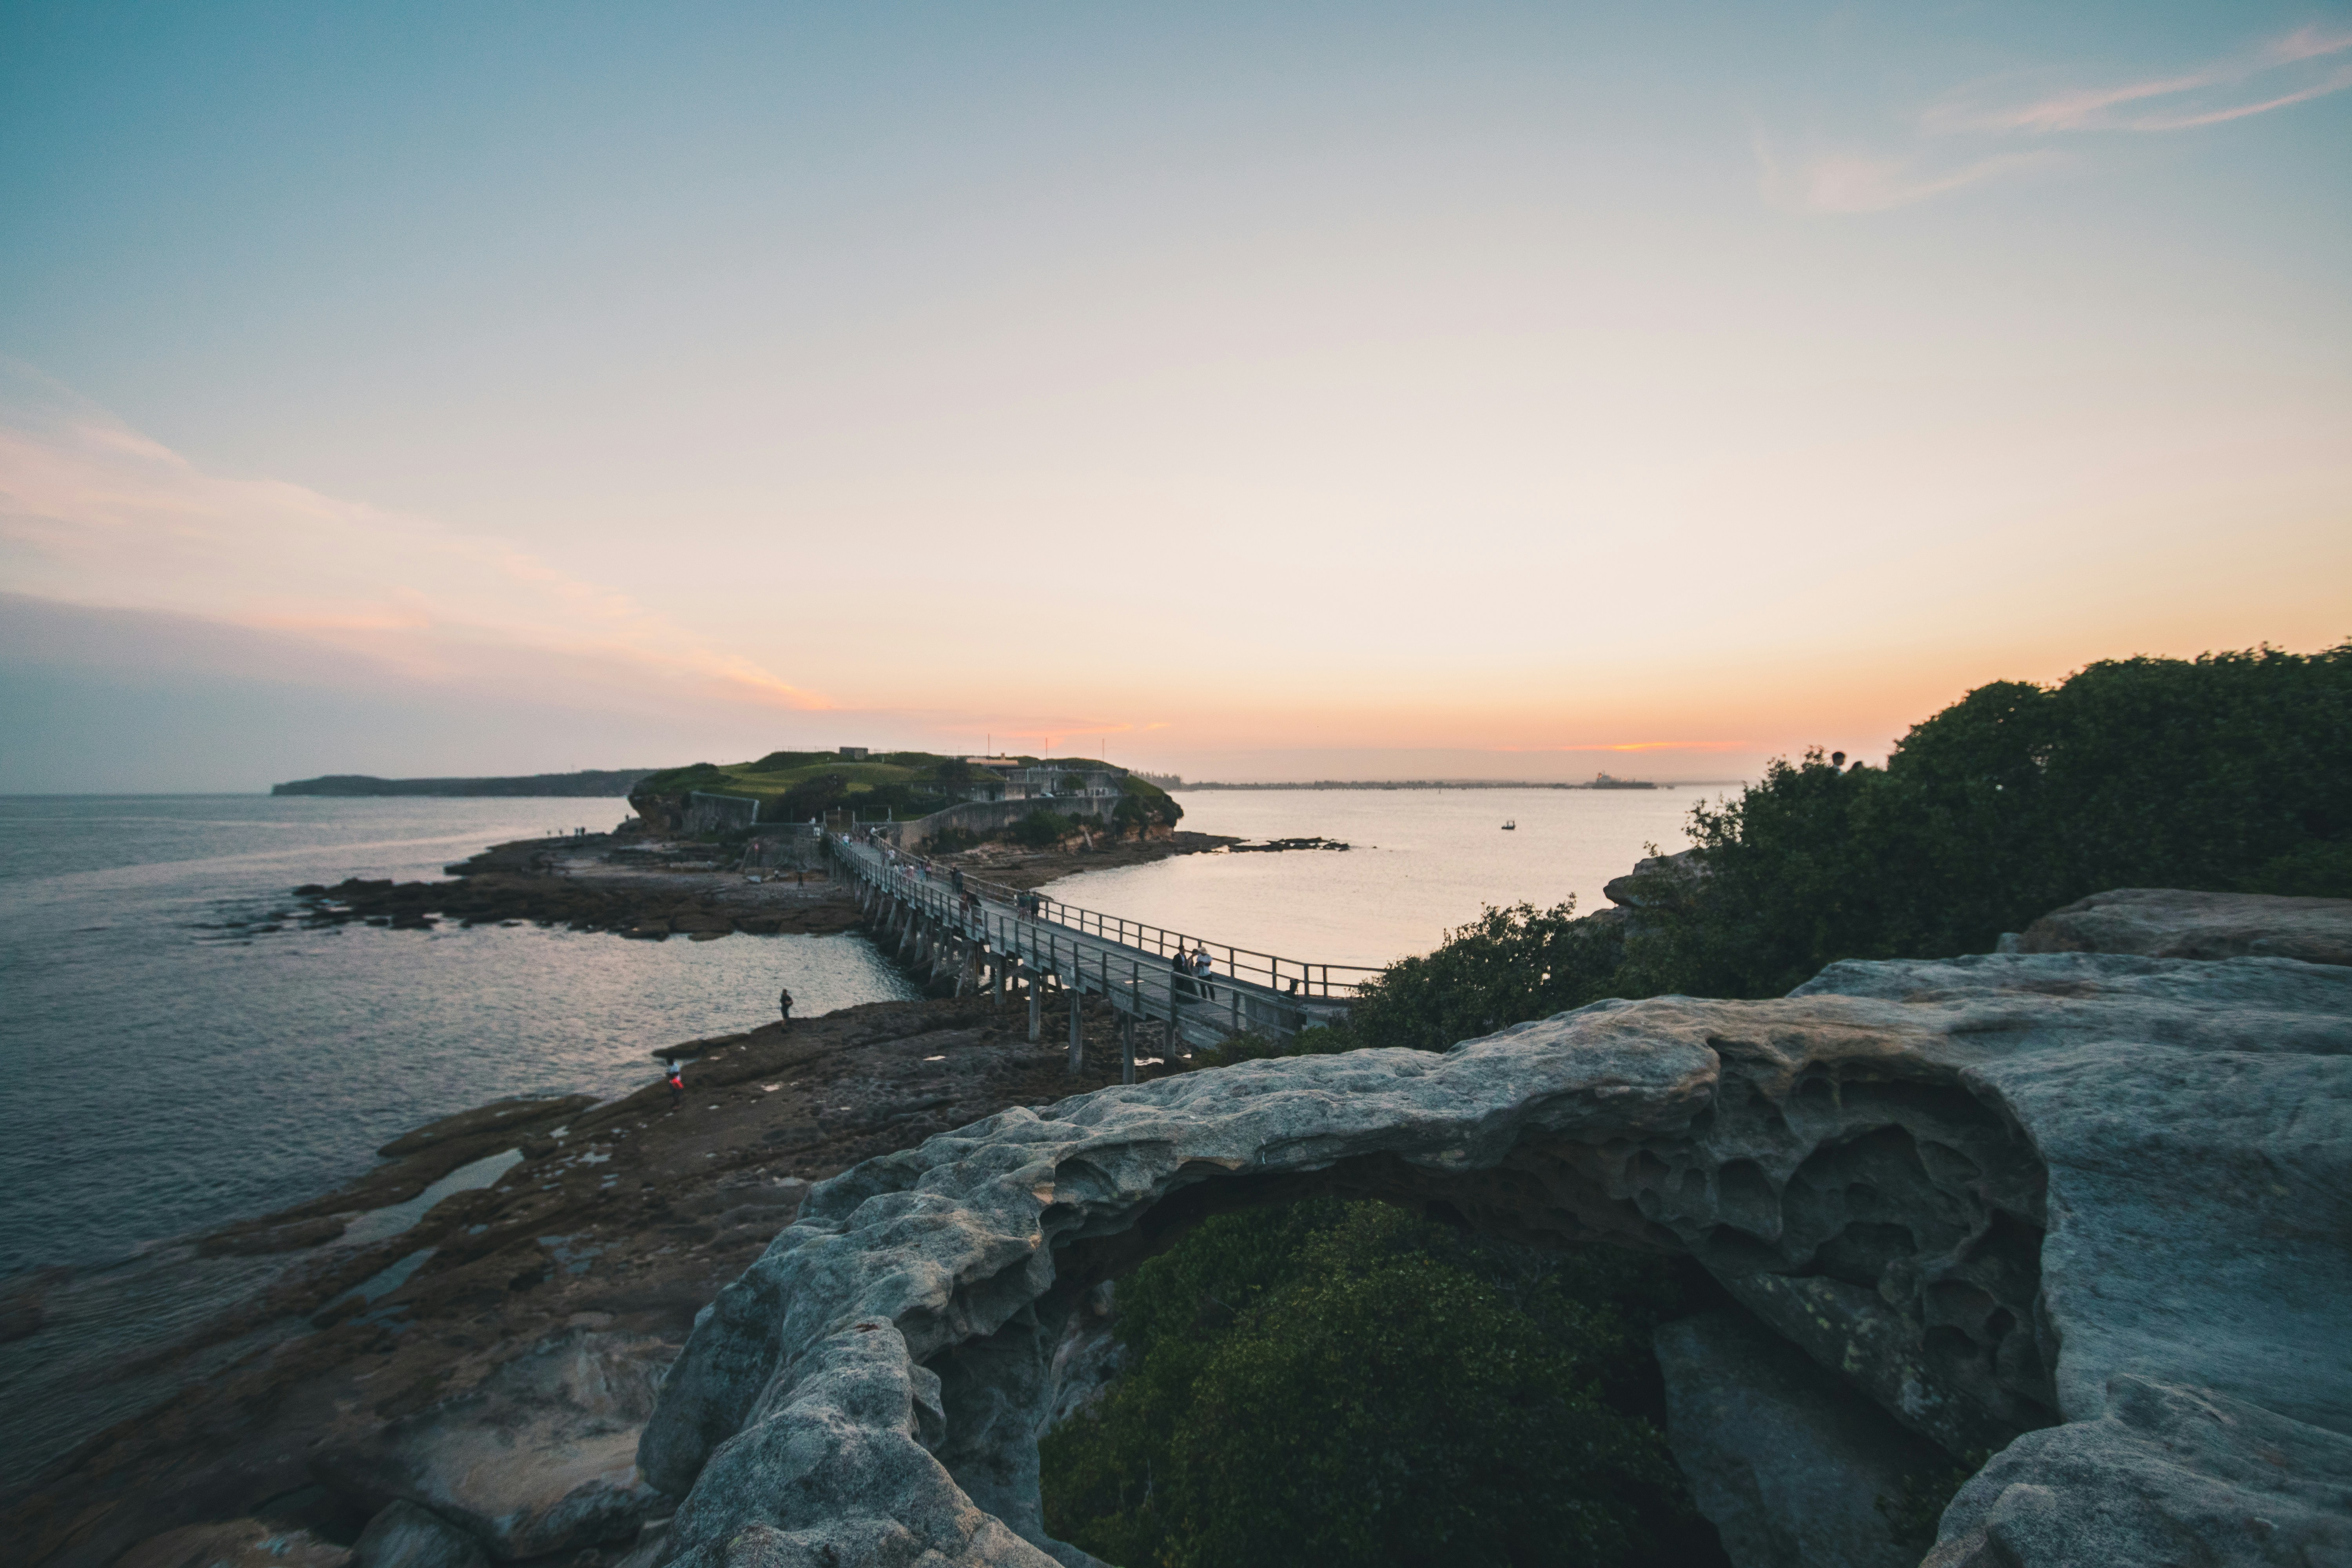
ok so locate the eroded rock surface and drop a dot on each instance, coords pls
(2167, 922)
(2168, 1474)
(236, 1543)
(406, 1536)
(542, 1458)
(1786, 1463)
(2065, 1170)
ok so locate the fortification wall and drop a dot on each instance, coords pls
(987, 817)
(718, 813)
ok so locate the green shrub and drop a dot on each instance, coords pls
(1343, 1383)
(1506, 966)
(1322, 1041)
(1042, 828)
(1151, 803)
(2231, 772)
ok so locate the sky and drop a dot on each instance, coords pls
(1247, 392)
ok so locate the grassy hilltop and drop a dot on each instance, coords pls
(794, 787)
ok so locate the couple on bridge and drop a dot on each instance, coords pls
(1192, 967)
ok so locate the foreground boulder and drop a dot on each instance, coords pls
(2167, 922)
(541, 1458)
(2070, 1176)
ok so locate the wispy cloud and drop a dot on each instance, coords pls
(1830, 183)
(97, 513)
(1959, 141)
(2309, 63)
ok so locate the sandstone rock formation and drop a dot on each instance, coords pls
(2101, 1190)
(1656, 882)
(1789, 1465)
(236, 1543)
(2166, 922)
(406, 1536)
(541, 1460)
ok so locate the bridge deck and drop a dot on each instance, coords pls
(1125, 961)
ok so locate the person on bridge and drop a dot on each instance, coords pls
(1181, 964)
(1201, 969)
(957, 878)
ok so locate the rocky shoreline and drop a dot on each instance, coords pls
(480, 1379)
(634, 884)
(599, 1244)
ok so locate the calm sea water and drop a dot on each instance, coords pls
(1421, 862)
(172, 1069)
(168, 1074)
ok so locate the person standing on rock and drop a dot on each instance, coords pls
(784, 1002)
(677, 1082)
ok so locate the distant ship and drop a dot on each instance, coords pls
(1603, 781)
(1512, 825)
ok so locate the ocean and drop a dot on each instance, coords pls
(1419, 863)
(177, 1064)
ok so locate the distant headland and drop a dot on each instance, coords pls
(1599, 781)
(589, 782)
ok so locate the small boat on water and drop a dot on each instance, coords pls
(1512, 825)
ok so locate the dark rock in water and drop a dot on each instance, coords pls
(2067, 1172)
(1785, 1461)
(24, 1302)
(289, 1237)
(504, 1115)
(234, 1543)
(540, 1459)
(406, 1536)
(2166, 922)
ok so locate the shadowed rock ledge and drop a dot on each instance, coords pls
(2104, 1191)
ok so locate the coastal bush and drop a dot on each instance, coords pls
(2228, 773)
(1042, 829)
(1346, 1383)
(1505, 967)
(1153, 805)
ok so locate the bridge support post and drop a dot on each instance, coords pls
(1036, 1006)
(1077, 1030)
(1127, 1048)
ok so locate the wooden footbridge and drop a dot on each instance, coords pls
(993, 937)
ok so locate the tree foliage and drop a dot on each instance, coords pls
(1344, 1383)
(1507, 965)
(2228, 773)
(1042, 828)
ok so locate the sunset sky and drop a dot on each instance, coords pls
(1251, 391)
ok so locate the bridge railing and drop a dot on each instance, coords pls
(1285, 978)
